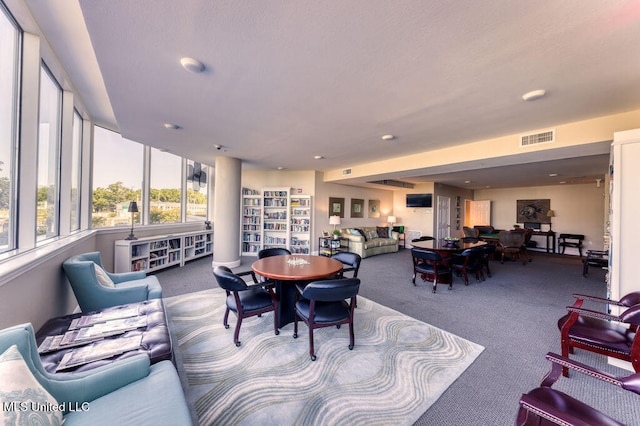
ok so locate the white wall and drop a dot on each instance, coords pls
(579, 209)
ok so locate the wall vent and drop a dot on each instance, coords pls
(346, 172)
(548, 136)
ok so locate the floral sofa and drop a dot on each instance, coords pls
(371, 240)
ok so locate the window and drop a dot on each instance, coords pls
(9, 63)
(76, 171)
(165, 187)
(47, 221)
(118, 165)
(197, 189)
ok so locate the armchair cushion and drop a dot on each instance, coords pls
(18, 386)
(103, 278)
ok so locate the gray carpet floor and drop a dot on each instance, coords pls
(513, 315)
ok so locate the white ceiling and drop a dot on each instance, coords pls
(288, 80)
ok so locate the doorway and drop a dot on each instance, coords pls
(444, 217)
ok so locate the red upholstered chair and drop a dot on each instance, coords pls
(547, 406)
(600, 332)
(323, 304)
(245, 301)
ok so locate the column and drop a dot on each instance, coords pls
(226, 212)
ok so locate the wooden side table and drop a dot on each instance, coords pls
(328, 246)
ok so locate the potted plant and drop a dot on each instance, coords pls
(336, 234)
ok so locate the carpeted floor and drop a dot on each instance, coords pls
(513, 315)
(397, 369)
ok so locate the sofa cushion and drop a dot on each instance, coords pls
(157, 399)
(17, 385)
(371, 234)
(362, 232)
(382, 231)
(103, 278)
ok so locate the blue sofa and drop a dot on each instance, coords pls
(128, 391)
(128, 287)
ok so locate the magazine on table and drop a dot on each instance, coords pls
(98, 350)
(100, 317)
(93, 333)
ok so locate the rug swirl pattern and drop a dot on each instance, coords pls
(397, 369)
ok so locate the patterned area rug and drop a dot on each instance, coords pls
(398, 368)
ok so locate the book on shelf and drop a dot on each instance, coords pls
(95, 351)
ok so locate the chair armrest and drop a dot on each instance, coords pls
(126, 276)
(123, 293)
(596, 299)
(547, 412)
(253, 275)
(558, 362)
(92, 384)
(594, 314)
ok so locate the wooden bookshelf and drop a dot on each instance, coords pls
(153, 253)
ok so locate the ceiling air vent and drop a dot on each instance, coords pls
(346, 172)
(391, 182)
(547, 136)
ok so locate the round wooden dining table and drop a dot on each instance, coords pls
(444, 249)
(288, 269)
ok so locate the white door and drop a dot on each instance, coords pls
(480, 213)
(444, 217)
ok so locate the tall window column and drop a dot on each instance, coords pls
(226, 212)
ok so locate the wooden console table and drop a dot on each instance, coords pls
(550, 235)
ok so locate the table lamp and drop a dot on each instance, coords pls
(133, 209)
(550, 214)
(391, 220)
(334, 220)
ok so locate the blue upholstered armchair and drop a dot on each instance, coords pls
(123, 392)
(97, 289)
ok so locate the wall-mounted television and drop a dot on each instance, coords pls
(419, 200)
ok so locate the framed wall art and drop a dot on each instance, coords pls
(336, 207)
(357, 207)
(533, 211)
(374, 208)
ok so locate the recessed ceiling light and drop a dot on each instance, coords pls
(467, 181)
(192, 65)
(553, 174)
(563, 181)
(171, 126)
(318, 157)
(388, 137)
(533, 95)
(280, 168)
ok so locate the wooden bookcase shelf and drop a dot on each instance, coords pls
(153, 253)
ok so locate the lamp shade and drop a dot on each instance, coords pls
(334, 220)
(550, 213)
(391, 219)
(133, 207)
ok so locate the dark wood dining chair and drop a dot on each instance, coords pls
(351, 264)
(272, 251)
(430, 265)
(323, 304)
(511, 243)
(245, 301)
(547, 406)
(468, 262)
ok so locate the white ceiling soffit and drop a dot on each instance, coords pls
(286, 81)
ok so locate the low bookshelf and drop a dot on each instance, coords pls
(153, 253)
